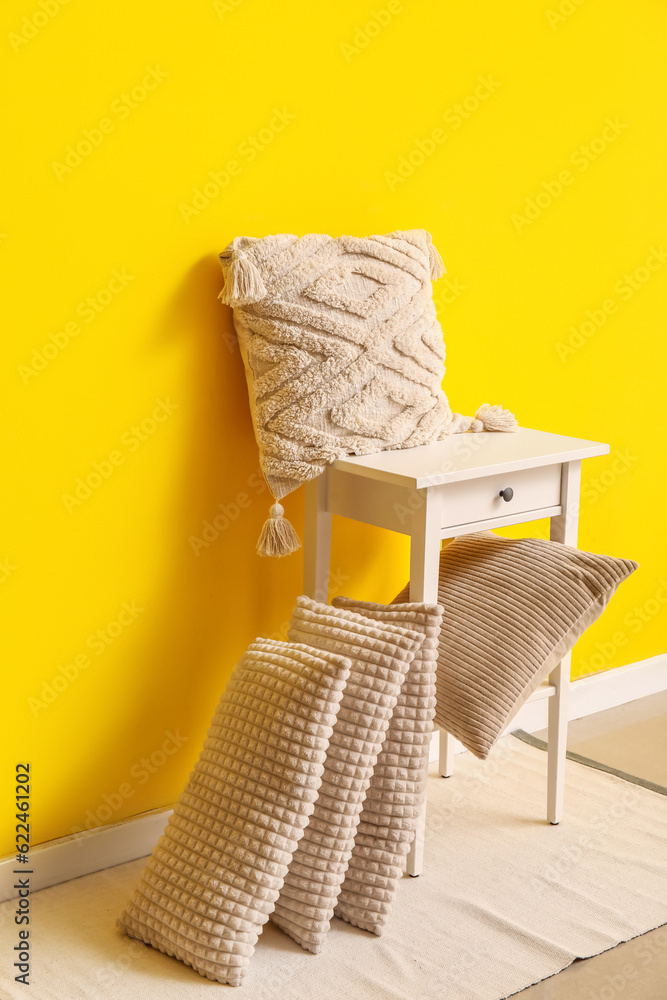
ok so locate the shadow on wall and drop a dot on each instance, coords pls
(210, 599)
(213, 595)
(218, 595)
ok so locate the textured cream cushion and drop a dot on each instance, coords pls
(342, 348)
(380, 655)
(392, 807)
(216, 872)
(512, 609)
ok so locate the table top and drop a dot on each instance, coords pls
(469, 456)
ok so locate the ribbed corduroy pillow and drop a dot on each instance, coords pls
(380, 655)
(216, 872)
(392, 806)
(512, 609)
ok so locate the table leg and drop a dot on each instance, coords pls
(317, 540)
(447, 744)
(562, 529)
(424, 568)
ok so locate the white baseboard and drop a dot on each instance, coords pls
(70, 857)
(82, 853)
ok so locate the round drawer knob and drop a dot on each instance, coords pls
(507, 494)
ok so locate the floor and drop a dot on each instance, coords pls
(632, 738)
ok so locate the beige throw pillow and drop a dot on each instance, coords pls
(343, 353)
(380, 655)
(216, 872)
(512, 609)
(392, 807)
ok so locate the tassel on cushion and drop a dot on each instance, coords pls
(243, 282)
(435, 260)
(278, 537)
(495, 418)
(487, 418)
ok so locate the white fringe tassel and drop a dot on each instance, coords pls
(243, 282)
(435, 260)
(278, 537)
(487, 418)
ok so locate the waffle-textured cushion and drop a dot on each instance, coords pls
(342, 348)
(380, 655)
(216, 872)
(392, 806)
(512, 609)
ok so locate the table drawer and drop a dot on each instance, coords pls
(481, 500)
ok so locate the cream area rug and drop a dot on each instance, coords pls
(505, 901)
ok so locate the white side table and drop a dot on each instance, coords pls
(469, 482)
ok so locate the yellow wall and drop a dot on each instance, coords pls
(121, 361)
